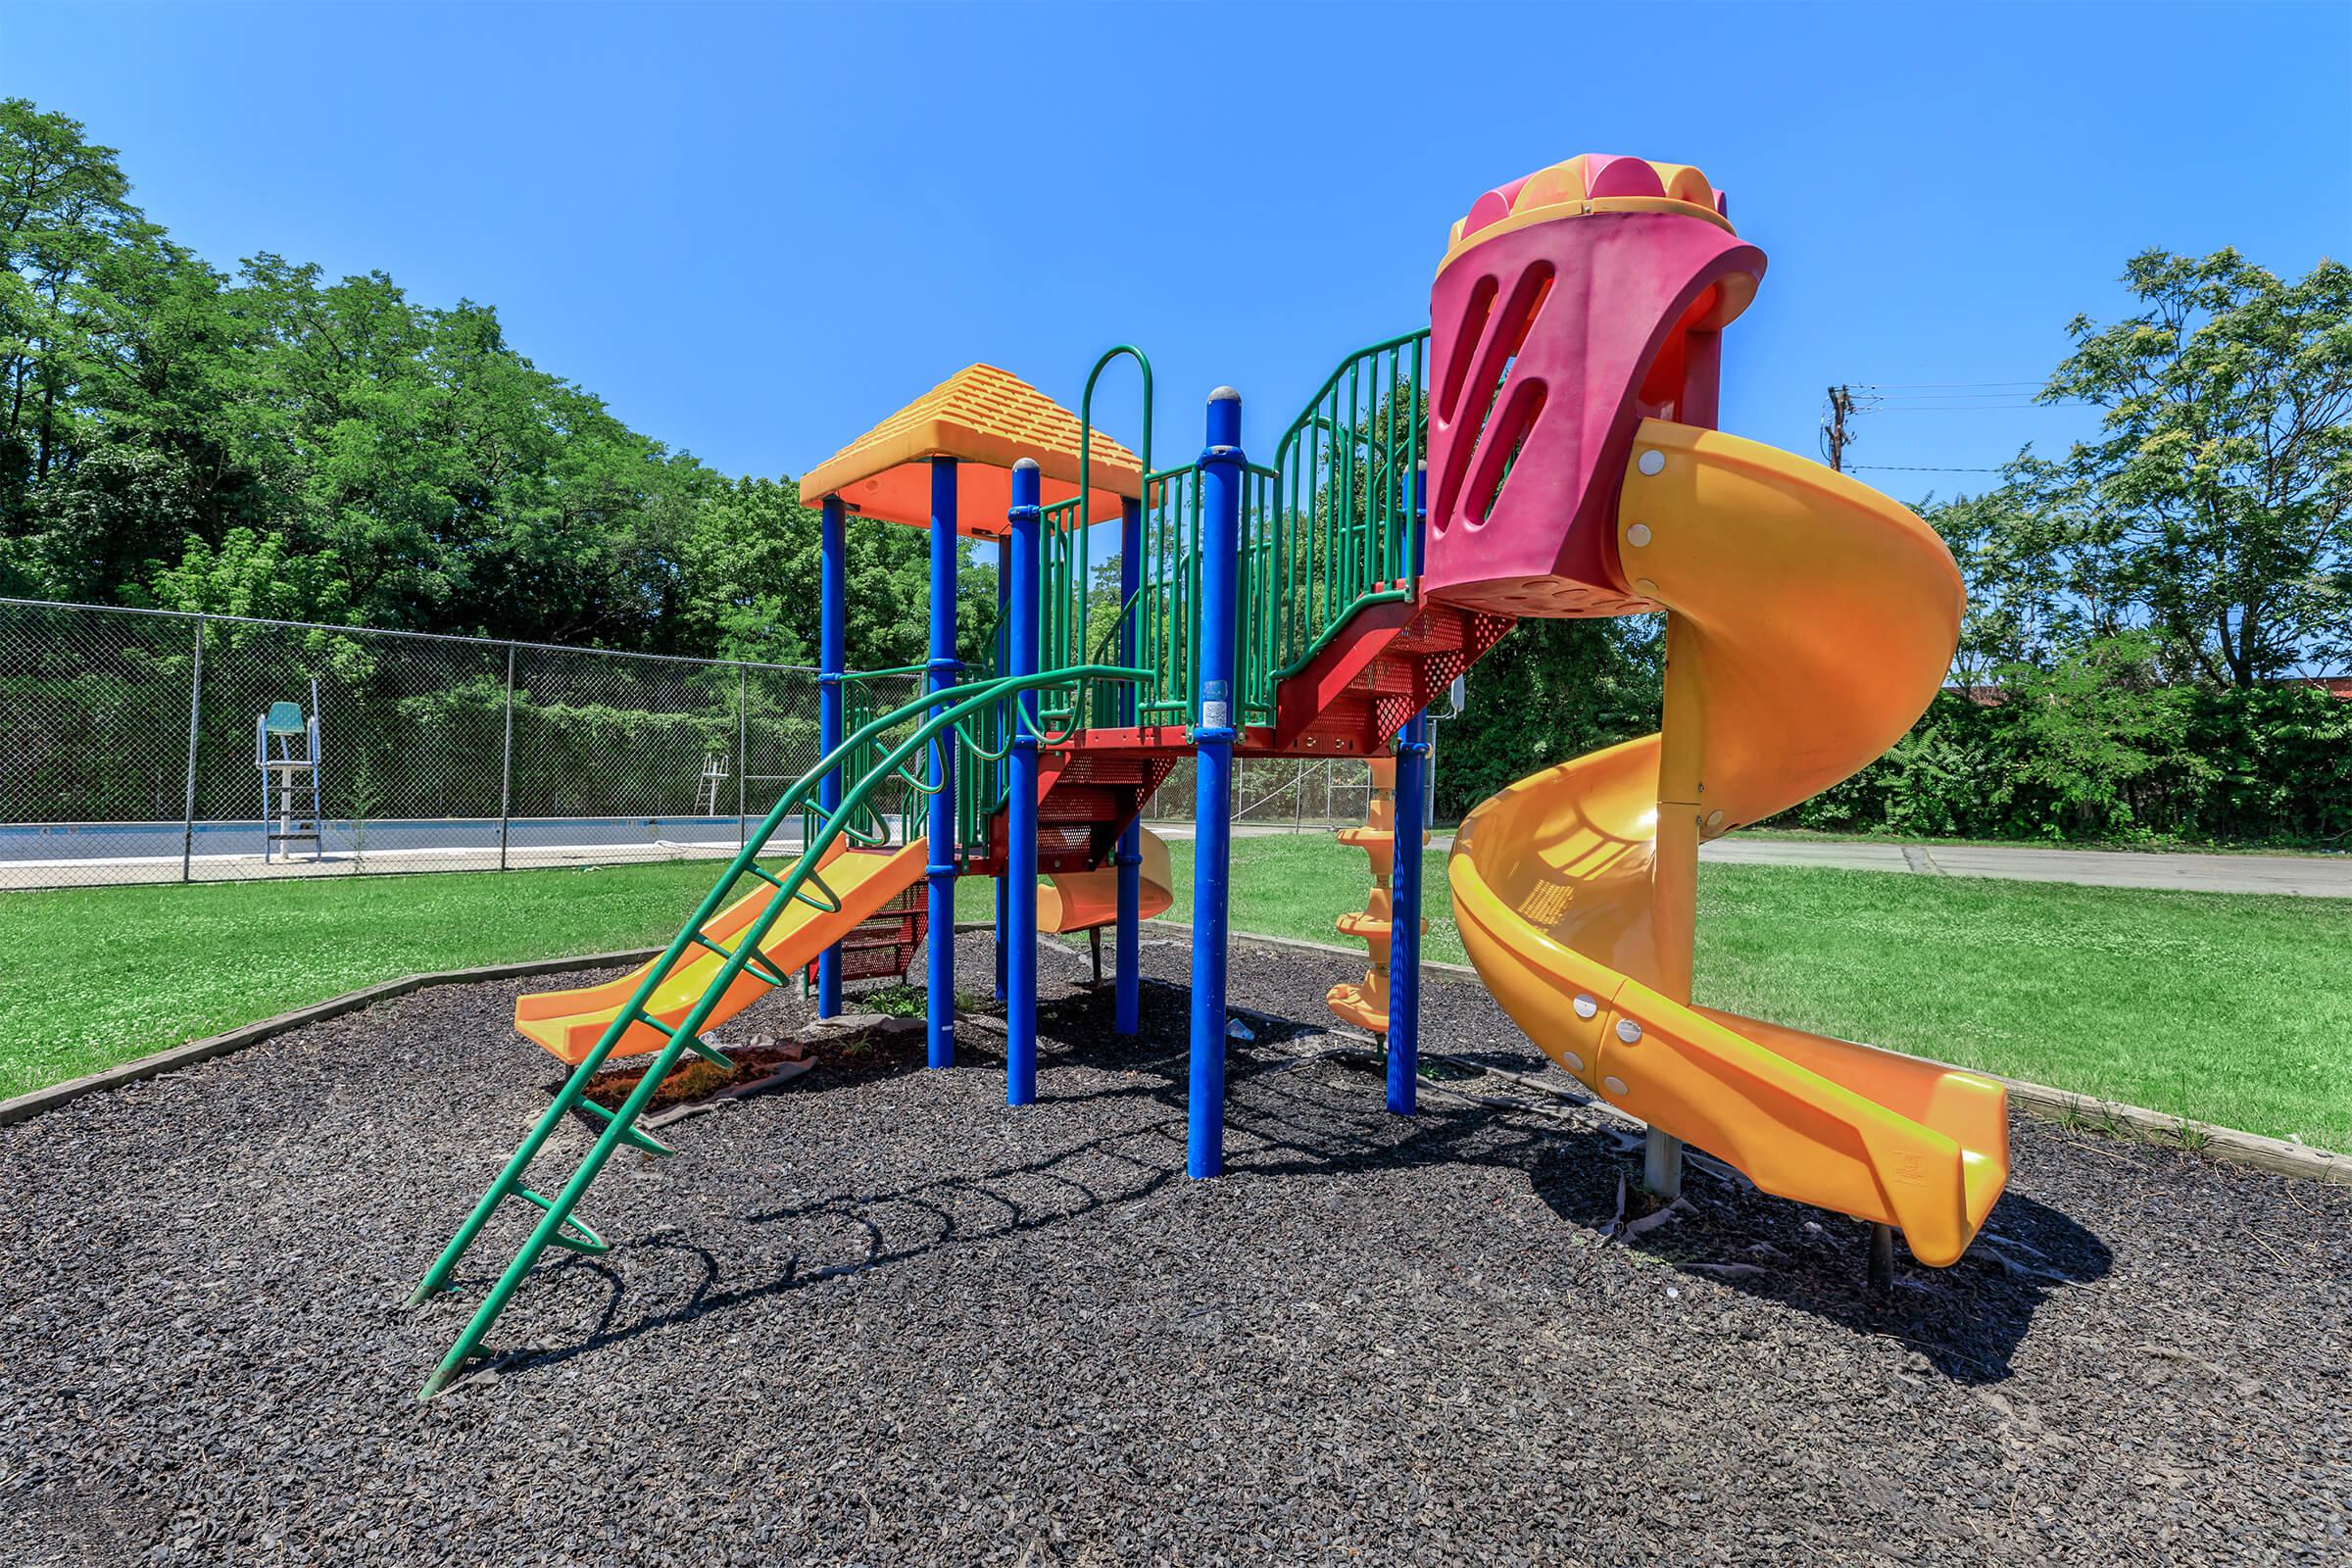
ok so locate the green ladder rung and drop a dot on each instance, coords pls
(760, 964)
(587, 1240)
(822, 908)
(799, 896)
(693, 1042)
(629, 1135)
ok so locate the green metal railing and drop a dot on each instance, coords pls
(1326, 531)
(1342, 535)
(938, 718)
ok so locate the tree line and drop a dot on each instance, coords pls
(268, 441)
(2147, 611)
(272, 442)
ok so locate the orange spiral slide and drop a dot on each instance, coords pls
(1809, 621)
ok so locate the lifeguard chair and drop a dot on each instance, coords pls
(285, 751)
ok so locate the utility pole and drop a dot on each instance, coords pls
(1833, 429)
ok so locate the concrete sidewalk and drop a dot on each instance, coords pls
(2310, 877)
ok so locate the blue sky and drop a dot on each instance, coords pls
(756, 230)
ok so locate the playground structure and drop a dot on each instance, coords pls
(1539, 451)
(285, 752)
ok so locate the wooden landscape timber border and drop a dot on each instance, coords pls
(2060, 1105)
(33, 1104)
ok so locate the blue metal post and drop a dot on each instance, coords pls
(943, 669)
(1021, 806)
(1213, 735)
(832, 661)
(1404, 881)
(1127, 1011)
(1004, 666)
(1405, 908)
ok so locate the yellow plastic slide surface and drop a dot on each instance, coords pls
(569, 1023)
(1073, 901)
(1811, 619)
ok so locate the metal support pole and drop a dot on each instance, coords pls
(1882, 1260)
(1127, 1008)
(743, 750)
(506, 764)
(187, 835)
(1663, 1163)
(1219, 548)
(1429, 811)
(1020, 805)
(833, 576)
(1404, 913)
(1004, 666)
(942, 669)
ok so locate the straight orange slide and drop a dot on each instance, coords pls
(1809, 621)
(569, 1023)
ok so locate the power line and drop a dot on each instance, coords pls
(1904, 467)
(1938, 386)
(1966, 397)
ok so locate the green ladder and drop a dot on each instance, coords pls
(943, 718)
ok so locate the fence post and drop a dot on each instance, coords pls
(506, 763)
(743, 748)
(187, 831)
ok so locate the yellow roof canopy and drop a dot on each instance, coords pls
(987, 420)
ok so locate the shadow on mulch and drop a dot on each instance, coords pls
(1967, 1321)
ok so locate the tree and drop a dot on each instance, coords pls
(1549, 691)
(2215, 509)
(2018, 612)
(751, 556)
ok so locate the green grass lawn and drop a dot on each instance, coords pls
(106, 975)
(2234, 1009)
(2223, 1007)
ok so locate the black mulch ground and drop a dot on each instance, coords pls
(875, 1318)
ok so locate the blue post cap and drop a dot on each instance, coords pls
(1224, 425)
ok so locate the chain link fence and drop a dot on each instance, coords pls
(132, 749)
(132, 745)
